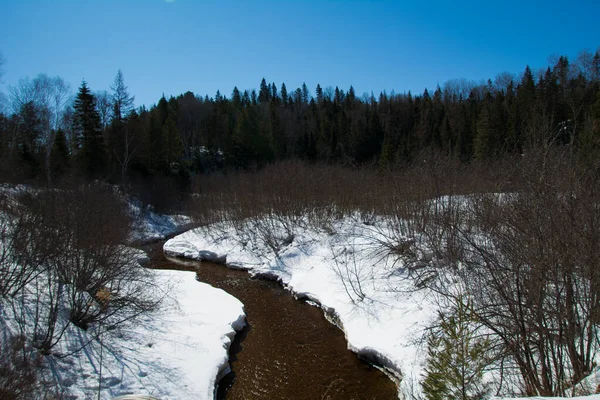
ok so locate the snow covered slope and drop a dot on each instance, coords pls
(178, 352)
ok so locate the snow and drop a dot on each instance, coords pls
(383, 319)
(180, 351)
(149, 225)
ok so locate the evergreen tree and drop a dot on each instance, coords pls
(122, 101)
(277, 138)
(236, 98)
(264, 94)
(284, 94)
(319, 93)
(174, 149)
(90, 145)
(525, 102)
(244, 136)
(60, 158)
(30, 131)
(456, 357)
(274, 95)
(484, 140)
(305, 94)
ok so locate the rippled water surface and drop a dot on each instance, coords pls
(288, 350)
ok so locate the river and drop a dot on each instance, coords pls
(288, 349)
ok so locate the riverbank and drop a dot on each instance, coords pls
(179, 351)
(381, 314)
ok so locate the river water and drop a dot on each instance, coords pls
(288, 349)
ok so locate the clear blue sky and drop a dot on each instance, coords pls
(174, 46)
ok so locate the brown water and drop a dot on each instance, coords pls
(288, 349)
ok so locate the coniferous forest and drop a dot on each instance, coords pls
(48, 134)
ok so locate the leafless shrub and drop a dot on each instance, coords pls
(22, 251)
(18, 371)
(82, 272)
(528, 259)
(352, 274)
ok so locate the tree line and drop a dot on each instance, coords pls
(46, 134)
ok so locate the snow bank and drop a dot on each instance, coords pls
(178, 352)
(383, 319)
(181, 352)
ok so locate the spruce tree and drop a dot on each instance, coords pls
(236, 98)
(456, 357)
(284, 94)
(274, 95)
(264, 95)
(91, 149)
(319, 92)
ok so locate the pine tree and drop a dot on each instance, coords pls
(284, 94)
(525, 101)
(236, 98)
(274, 95)
(264, 95)
(456, 357)
(319, 93)
(305, 94)
(91, 149)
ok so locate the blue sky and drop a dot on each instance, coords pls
(174, 46)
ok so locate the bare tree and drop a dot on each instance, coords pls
(59, 96)
(21, 94)
(104, 103)
(50, 96)
(456, 88)
(123, 139)
(503, 80)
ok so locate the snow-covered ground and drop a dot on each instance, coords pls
(179, 351)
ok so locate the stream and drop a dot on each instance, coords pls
(288, 349)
